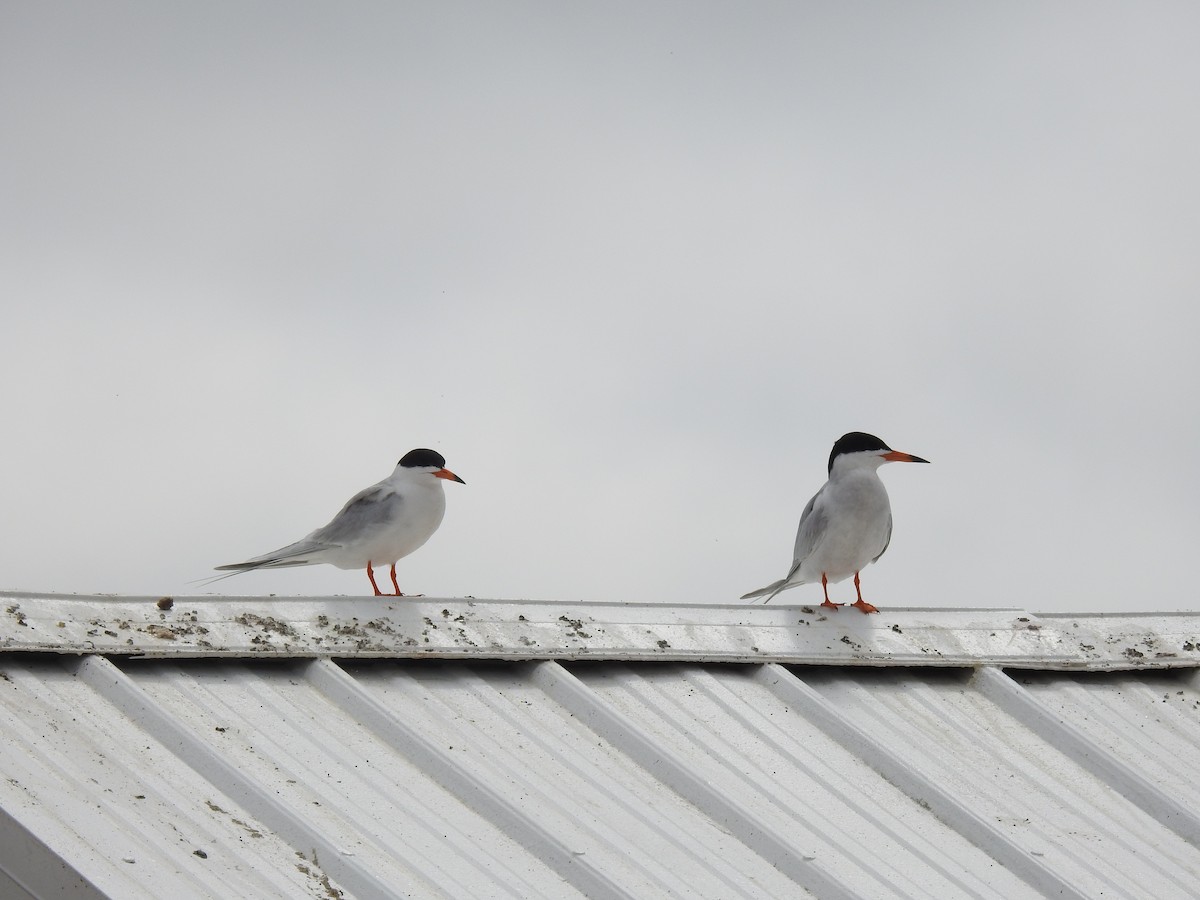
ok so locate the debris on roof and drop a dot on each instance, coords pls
(416, 628)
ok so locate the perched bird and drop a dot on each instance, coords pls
(847, 524)
(379, 525)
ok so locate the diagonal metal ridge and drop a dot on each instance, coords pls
(790, 688)
(1117, 774)
(462, 780)
(677, 774)
(123, 693)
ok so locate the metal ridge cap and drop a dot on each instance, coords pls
(433, 627)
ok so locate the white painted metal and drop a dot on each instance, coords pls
(1052, 722)
(916, 783)
(127, 814)
(502, 629)
(779, 784)
(608, 816)
(1075, 825)
(509, 760)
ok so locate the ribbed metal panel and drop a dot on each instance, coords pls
(123, 809)
(754, 761)
(1085, 836)
(461, 778)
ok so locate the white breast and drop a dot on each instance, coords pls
(857, 513)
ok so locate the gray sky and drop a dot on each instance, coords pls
(631, 267)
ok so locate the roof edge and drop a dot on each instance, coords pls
(471, 628)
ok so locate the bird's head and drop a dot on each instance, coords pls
(858, 450)
(429, 461)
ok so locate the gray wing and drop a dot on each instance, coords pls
(886, 541)
(808, 535)
(368, 510)
(812, 529)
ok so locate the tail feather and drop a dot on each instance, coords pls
(297, 554)
(769, 591)
(250, 565)
(291, 555)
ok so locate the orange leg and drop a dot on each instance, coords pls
(825, 588)
(860, 603)
(396, 586)
(371, 575)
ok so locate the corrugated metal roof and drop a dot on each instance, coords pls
(333, 747)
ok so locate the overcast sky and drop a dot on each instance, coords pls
(632, 268)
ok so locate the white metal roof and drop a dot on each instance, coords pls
(259, 747)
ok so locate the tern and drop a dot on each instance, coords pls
(378, 526)
(848, 522)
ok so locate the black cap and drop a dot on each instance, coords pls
(855, 442)
(416, 459)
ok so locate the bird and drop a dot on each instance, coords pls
(378, 526)
(848, 522)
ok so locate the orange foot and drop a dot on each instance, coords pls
(864, 606)
(831, 605)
